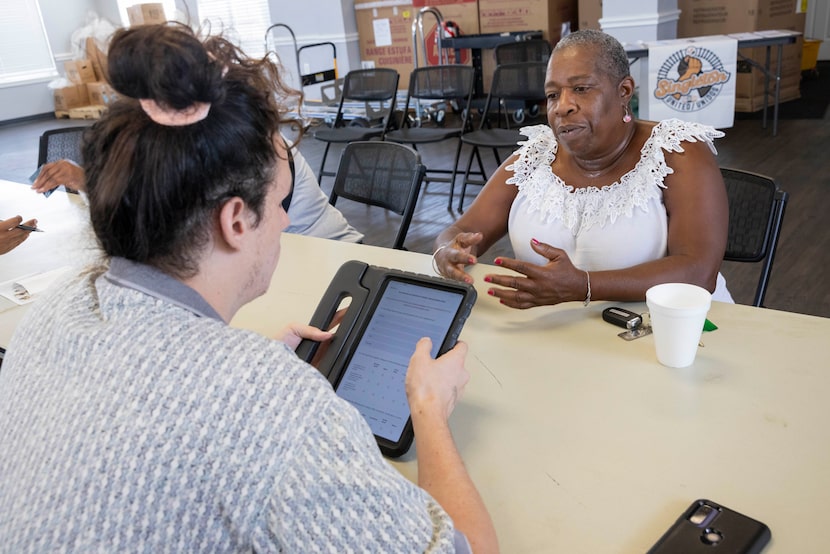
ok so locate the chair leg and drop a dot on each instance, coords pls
(473, 152)
(481, 172)
(323, 163)
(496, 155)
(453, 174)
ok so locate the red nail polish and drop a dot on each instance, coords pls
(491, 292)
(488, 279)
(534, 241)
(497, 261)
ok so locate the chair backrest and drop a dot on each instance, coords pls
(442, 82)
(378, 85)
(384, 174)
(446, 83)
(535, 50)
(756, 212)
(60, 144)
(516, 81)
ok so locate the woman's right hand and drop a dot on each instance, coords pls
(451, 259)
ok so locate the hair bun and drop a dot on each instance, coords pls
(166, 63)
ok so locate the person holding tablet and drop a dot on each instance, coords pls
(134, 418)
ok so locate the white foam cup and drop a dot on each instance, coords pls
(678, 312)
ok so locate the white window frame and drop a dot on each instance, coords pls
(25, 54)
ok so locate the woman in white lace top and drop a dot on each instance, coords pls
(597, 204)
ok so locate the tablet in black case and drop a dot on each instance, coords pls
(367, 359)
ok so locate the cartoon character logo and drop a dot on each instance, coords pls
(690, 79)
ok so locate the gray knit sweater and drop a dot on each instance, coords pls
(131, 424)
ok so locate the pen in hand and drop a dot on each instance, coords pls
(29, 228)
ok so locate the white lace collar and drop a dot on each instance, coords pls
(582, 208)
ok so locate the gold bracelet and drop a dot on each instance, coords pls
(435, 262)
(587, 296)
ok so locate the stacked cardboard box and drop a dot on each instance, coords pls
(385, 32)
(385, 27)
(719, 17)
(90, 93)
(590, 12)
(70, 97)
(552, 17)
(79, 73)
(146, 14)
(548, 16)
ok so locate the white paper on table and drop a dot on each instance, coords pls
(25, 289)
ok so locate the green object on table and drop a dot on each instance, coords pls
(709, 326)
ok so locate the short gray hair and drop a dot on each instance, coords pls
(611, 56)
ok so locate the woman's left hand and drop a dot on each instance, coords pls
(556, 281)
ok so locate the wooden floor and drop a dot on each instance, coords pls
(798, 157)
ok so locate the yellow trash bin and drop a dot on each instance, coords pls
(809, 54)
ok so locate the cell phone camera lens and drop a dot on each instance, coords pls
(711, 537)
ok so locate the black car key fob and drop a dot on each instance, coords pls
(622, 317)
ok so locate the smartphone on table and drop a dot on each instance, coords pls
(707, 526)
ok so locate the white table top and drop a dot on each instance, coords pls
(65, 241)
(582, 442)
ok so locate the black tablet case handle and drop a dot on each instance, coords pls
(346, 283)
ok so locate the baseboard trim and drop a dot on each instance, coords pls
(28, 119)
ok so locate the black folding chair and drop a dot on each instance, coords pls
(382, 174)
(511, 82)
(370, 86)
(534, 50)
(60, 144)
(446, 87)
(756, 212)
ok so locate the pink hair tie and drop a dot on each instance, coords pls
(174, 118)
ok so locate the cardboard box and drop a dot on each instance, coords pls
(101, 93)
(146, 14)
(79, 71)
(755, 103)
(548, 16)
(70, 97)
(722, 17)
(87, 112)
(384, 30)
(589, 12)
(98, 59)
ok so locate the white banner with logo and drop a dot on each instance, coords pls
(692, 79)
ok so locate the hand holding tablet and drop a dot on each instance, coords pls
(367, 360)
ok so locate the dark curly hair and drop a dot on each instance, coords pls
(154, 189)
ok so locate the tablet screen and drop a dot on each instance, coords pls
(373, 380)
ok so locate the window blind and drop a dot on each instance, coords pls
(25, 54)
(244, 22)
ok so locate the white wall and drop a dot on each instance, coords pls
(328, 21)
